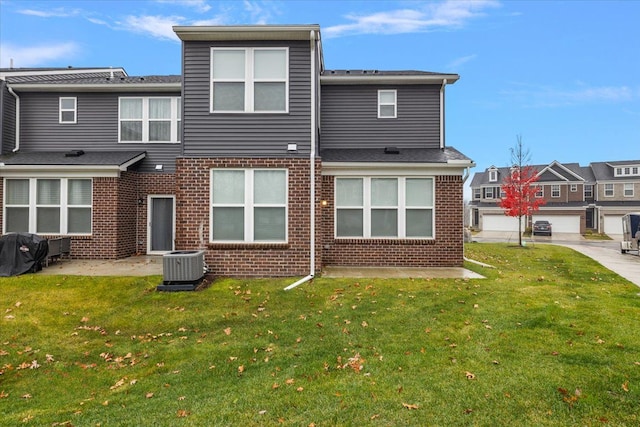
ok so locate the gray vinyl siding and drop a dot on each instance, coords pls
(209, 134)
(7, 119)
(96, 128)
(350, 117)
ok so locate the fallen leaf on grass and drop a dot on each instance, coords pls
(410, 405)
(625, 386)
(182, 413)
(227, 331)
(470, 376)
(3, 395)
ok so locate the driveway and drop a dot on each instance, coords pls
(606, 252)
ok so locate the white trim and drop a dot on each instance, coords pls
(555, 187)
(372, 78)
(388, 169)
(400, 208)
(62, 205)
(150, 197)
(101, 87)
(249, 80)
(65, 110)
(248, 205)
(394, 104)
(175, 120)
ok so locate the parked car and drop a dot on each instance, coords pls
(542, 227)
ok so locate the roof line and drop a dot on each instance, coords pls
(65, 71)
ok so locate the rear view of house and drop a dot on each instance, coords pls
(257, 154)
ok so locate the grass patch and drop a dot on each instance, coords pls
(591, 235)
(549, 338)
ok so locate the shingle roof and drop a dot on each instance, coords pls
(405, 155)
(60, 158)
(97, 80)
(603, 171)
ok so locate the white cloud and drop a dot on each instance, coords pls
(458, 62)
(199, 5)
(34, 56)
(156, 26)
(551, 96)
(447, 14)
(260, 13)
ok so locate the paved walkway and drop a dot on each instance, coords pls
(401, 272)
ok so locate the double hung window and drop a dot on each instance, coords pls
(555, 190)
(68, 110)
(608, 190)
(387, 104)
(372, 207)
(48, 206)
(249, 205)
(150, 119)
(628, 189)
(249, 80)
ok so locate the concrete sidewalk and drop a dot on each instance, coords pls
(401, 272)
(142, 265)
(610, 256)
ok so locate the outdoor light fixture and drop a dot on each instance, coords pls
(159, 168)
(292, 147)
(323, 203)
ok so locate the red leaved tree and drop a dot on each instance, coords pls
(520, 188)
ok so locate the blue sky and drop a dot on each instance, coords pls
(563, 75)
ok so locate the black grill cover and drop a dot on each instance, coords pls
(22, 253)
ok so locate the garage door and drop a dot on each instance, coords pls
(612, 224)
(500, 223)
(561, 223)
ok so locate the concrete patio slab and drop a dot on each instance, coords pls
(143, 265)
(401, 272)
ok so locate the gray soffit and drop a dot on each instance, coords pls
(386, 77)
(249, 32)
(447, 155)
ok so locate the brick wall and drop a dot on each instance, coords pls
(445, 250)
(240, 259)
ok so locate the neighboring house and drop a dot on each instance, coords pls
(577, 198)
(257, 154)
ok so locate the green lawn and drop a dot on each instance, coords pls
(548, 338)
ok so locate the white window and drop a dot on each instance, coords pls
(150, 119)
(488, 193)
(249, 205)
(628, 189)
(618, 172)
(387, 104)
(539, 191)
(634, 170)
(574, 188)
(48, 206)
(377, 207)
(68, 110)
(251, 80)
(608, 190)
(588, 191)
(555, 190)
(493, 175)
(477, 193)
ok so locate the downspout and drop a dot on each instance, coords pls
(444, 82)
(15, 95)
(312, 161)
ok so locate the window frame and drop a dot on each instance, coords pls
(493, 175)
(249, 80)
(175, 127)
(574, 188)
(609, 190)
(588, 191)
(248, 204)
(62, 110)
(555, 191)
(63, 205)
(539, 192)
(401, 208)
(625, 189)
(394, 104)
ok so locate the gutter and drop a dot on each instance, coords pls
(312, 173)
(444, 83)
(15, 95)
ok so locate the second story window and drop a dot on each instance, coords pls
(387, 104)
(477, 193)
(588, 191)
(68, 110)
(540, 191)
(574, 188)
(493, 175)
(555, 190)
(249, 80)
(608, 190)
(628, 189)
(150, 119)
